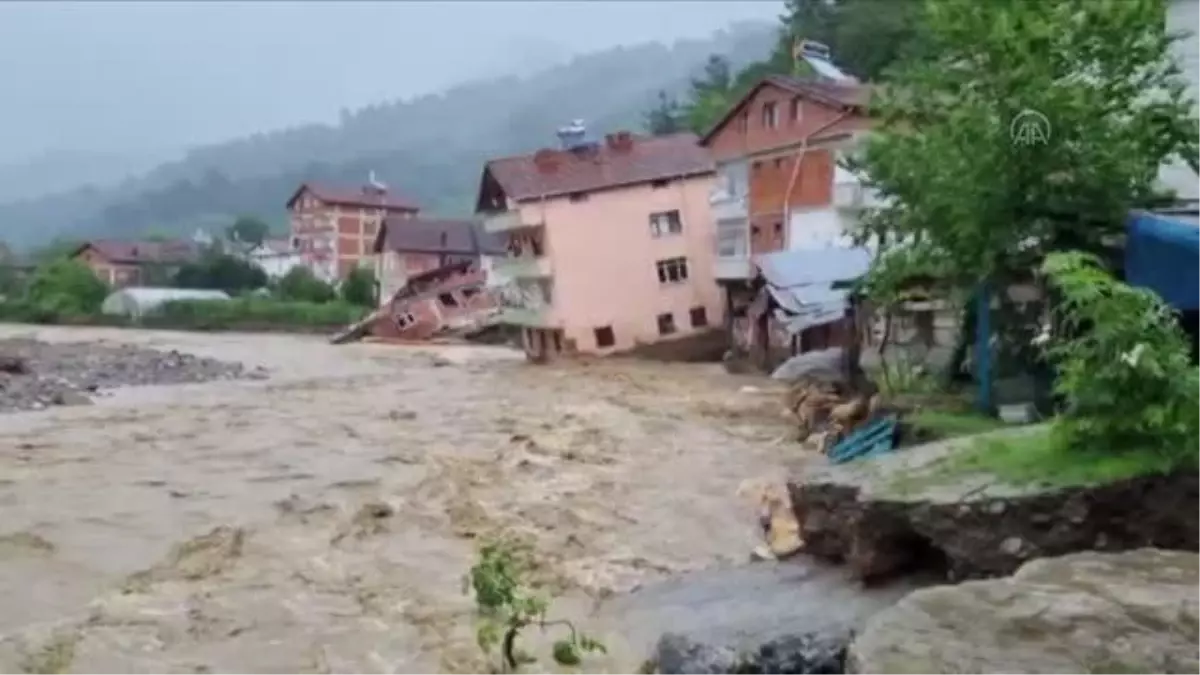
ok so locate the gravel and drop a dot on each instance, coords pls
(36, 375)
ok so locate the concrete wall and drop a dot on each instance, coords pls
(603, 257)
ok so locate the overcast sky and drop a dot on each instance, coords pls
(147, 76)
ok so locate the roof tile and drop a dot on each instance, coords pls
(562, 172)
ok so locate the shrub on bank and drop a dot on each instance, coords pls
(251, 312)
(238, 314)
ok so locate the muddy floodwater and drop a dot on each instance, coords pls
(322, 519)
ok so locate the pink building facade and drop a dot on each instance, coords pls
(611, 244)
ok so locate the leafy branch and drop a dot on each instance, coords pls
(507, 604)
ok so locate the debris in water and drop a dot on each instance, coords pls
(369, 520)
(26, 541)
(777, 518)
(197, 558)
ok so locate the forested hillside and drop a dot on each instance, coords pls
(430, 148)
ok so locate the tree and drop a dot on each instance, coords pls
(248, 230)
(299, 284)
(865, 37)
(664, 117)
(358, 288)
(219, 271)
(961, 181)
(64, 286)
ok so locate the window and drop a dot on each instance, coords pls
(295, 243)
(405, 320)
(770, 116)
(665, 222)
(447, 300)
(605, 337)
(778, 162)
(699, 317)
(666, 324)
(756, 165)
(672, 270)
(743, 122)
(660, 184)
(578, 197)
(778, 228)
(469, 293)
(797, 110)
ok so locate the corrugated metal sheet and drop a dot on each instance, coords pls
(801, 283)
(785, 269)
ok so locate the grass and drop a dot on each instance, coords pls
(1037, 458)
(949, 424)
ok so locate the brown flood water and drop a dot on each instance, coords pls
(240, 526)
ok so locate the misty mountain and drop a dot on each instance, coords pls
(430, 148)
(56, 170)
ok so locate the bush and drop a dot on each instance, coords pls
(250, 313)
(358, 288)
(66, 287)
(221, 272)
(300, 285)
(1123, 365)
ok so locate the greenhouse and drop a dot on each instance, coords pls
(138, 301)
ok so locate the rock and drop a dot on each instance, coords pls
(1132, 612)
(34, 375)
(974, 526)
(757, 617)
(822, 362)
(13, 365)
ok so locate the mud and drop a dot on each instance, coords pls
(322, 520)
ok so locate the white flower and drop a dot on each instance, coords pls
(1134, 355)
(1041, 338)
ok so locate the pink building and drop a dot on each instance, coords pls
(610, 244)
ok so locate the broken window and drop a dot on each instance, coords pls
(665, 222)
(672, 270)
(448, 300)
(666, 324)
(469, 293)
(699, 317)
(605, 336)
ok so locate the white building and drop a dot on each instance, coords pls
(275, 256)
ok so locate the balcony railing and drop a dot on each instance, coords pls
(732, 267)
(524, 267)
(725, 207)
(505, 221)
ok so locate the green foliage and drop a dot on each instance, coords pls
(66, 287)
(248, 230)
(1124, 365)
(251, 313)
(506, 604)
(219, 271)
(300, 284)
(665, 117)
(944, 152)
(358, 288)
(866, 37)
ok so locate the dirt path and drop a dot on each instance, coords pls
(322, 520)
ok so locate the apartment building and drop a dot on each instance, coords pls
(333, 229)
(610, 243)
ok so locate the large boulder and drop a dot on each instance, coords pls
(1131, 612)
(794, 616)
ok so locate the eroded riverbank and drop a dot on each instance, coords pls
(321, 520)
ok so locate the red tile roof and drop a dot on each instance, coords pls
(840, 96)
(436, 235)
(143, 252)
(353, 197)
(550, 173)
